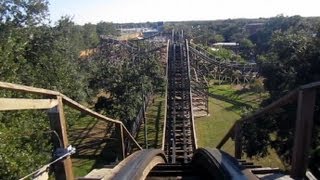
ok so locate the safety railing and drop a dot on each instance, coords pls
(165, 100)
(306, 97)
(54, 102)
(194, 137)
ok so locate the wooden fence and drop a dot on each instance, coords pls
(54, 102)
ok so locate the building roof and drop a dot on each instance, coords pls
(226, 44)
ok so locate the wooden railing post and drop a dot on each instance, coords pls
(238, 141)
(145, 121)
(207, 100)
(303, 132)
(62, 170)
(122, 141)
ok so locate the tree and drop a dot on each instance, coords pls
(105, 28)
(38, 55)
(90, 36)
(293, 59)
(24, 146)
(218, 38)
(246, 49)
(23, 12)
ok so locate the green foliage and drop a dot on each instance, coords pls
(218, 38)
(38, 55)
(124, 81)
(90, 36)
(223, 54)
(289, 58)
(23, 12)
(24, 136)
(257, 86)
(25, 143)
(105, 28)
(246, 49)
(288, 64)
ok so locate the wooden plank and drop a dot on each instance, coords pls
(291, 96)
(194, 135)
(145, 123)
(66, 100)
(165, 101)
(58, 123)
(27, 89)
(264, 170)
(130, 136)
(81, 108)
(123, 148)
(88, 111)
(311, 85)
(238, 141)
(303, 133)
(7, 104)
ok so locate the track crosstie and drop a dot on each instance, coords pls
(180, 138)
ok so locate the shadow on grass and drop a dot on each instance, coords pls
(157, 124)
(229, 100)
(97, 144)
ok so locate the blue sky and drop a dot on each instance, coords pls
(119, 11)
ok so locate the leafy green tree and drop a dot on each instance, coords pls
(105, 28)
(90, 36)
(292, 60)
(246, 49)
(23, 12)
(36, 54)
(24, 146)
(218, 38)
(25, 143)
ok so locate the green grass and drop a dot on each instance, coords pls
(154, 119)
(226, 105)
(82, 167)
(210, 129)
(93, 140)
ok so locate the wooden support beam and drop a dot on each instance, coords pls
(71, 103)
(165, 100)
(284, 100)
(303, 132)
(123, 148)
(207, 100)
(194, 135)
(63, 99)
(145, 122)
(7, 104)
(27, 89)
(126, 131)
(62, 170)
(238, 141)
